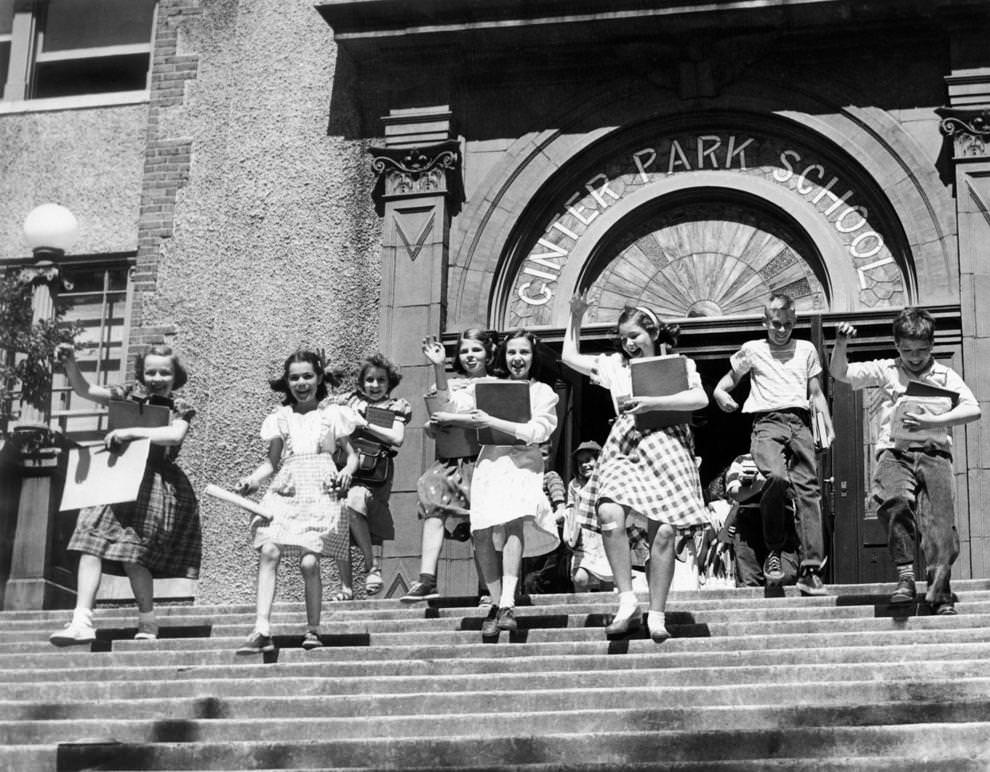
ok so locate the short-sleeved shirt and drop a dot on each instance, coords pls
(779, 375)
(612, 372)
(358, 402)
(889, 376)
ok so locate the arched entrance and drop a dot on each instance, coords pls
(701, 220)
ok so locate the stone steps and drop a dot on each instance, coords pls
(748, 682)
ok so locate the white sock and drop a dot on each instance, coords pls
(657, 619)
(508, 598)
(628, 601)
(263, 626)
(83, 615)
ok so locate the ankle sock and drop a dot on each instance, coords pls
(628, 601)
(262, 626)
(83, 616)
(657, 619)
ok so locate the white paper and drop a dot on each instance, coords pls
(95, 476)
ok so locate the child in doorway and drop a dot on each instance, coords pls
(784, 375)
(158, 535)
(367, 501)
(589, 565)
(743, 485)
(914, 458)
(550, 573)
(641, 474)
(304, 497)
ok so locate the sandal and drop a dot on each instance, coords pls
(342, 595)
(373, 581)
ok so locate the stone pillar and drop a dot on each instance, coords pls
(418, 190)
(966, 127)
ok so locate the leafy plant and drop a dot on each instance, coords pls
(26, 348)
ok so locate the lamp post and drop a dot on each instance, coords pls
(49, 229)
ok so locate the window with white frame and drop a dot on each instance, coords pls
(65, 48)
(98, 299)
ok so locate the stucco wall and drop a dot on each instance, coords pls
(275, 245)
(89, 160)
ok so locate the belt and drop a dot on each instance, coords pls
(800, 412)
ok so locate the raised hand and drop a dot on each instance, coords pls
(579, 304)
(433, 350)
(845, 330)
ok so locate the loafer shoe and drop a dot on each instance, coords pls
(489, 628)
(623, 623)
(506, 619)
(257, 643)
(905, 592)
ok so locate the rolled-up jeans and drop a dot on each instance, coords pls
(783, 450)
(915, 491)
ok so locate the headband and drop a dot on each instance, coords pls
(649, 315)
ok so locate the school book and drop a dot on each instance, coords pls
(451, 441)
(380, 416)
(660, 377)
(126, 414)
(508, 400)
(922, 398)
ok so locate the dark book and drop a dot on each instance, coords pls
(508, 400)
(919, 389)
(380, 416)
(452, 441)
(126, 414)
(660, 377)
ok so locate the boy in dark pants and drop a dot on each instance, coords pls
(784, 374)
(914, 450)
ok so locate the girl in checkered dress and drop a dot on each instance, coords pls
(304, 496)
(645, 479)
(156, 536)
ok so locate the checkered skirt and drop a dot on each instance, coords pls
(306, 511)
(650, 473)
(160, 530)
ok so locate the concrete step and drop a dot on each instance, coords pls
(301, 728)
(921, 741)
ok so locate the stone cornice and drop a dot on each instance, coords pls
(968, 128)
(405, 172)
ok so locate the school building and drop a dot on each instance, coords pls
(352, 175)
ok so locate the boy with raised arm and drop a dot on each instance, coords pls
(784, 374)
(914, 450)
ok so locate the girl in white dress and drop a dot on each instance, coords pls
(509, 511)
(304, 497)
(643, 477)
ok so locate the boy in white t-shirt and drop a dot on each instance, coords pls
(784, 380)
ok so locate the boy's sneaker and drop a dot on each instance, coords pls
(810, 583)
(420, 591)
(257, 643)
(311, 641)
(773, 570)
(73, 633)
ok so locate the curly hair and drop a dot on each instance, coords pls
(282, 384)
(161, 350)
(382, 362)
(916, 323)
(658, 330)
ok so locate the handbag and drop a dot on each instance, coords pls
(374, 461)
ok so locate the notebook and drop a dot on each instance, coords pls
(660, 377)
(451, 441)
(508, 400)
(126, 414)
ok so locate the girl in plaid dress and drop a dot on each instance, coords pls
(304, 496)
(641, 475)
(156, 536)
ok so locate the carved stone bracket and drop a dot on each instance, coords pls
(969, 129)
(409, 171)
